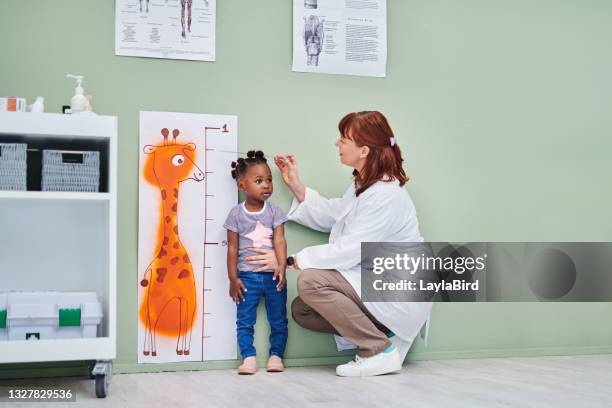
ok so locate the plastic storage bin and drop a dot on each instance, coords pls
(13, 166)
(49, 315)
(67, 171)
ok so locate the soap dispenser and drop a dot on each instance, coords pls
(78, 101)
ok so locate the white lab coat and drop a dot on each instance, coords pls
(382, 213)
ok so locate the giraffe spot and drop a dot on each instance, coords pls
(186, 258)
(163, 192)
(161, 273)
(168, 218)
(176, 245)
(162, 253)
(174, 207)
(174, 260)
(183, 274)
(166, 239)
(175, 229)
(175, 193)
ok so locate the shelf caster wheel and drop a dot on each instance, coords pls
(101, 385)
(90, 368)
(102, 372)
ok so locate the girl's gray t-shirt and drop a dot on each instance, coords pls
(254, 229)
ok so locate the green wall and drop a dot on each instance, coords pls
(502, 108)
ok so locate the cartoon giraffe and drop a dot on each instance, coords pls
(169, 304)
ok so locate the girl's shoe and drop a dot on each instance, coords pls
(248, 366)
(275, 364)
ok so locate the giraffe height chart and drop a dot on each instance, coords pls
(185, 193)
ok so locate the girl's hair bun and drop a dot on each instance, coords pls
(240, 166)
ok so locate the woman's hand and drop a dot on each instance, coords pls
(236, 288)
(267, 259)
(288, 169)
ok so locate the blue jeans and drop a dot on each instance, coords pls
(260, 284)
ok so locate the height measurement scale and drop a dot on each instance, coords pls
(185, 191)
(220, 196)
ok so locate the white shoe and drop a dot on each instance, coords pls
(381, 363)
(402, 346)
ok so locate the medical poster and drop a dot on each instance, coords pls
(340, 37)
(174, 29)
(185, 193)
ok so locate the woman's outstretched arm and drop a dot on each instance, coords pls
(309, 208)
(288, 168)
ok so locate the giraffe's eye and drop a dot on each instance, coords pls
(178, 160)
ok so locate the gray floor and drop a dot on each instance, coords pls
(577, 381)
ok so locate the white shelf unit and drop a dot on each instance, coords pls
(62, 241)
(53, 195)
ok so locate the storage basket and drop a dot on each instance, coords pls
(13, 166)
(67, 171)
(47, 315)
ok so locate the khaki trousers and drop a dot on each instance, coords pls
(328, 303)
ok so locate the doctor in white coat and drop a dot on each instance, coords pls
(374, 208)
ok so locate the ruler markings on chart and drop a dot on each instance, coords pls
(209, 177)
(215, 141)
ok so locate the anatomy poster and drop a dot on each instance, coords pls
(185, 193)
(340, 37)
(175, 29)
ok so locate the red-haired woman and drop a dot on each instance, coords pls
(374, 208)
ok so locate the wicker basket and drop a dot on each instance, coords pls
(59, 174)
(13, 166)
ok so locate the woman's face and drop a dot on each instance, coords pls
(350, 154)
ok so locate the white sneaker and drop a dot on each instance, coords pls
(381, 363)
(402, 346)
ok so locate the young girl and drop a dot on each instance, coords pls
(257, 223)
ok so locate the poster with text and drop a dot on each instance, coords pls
(340, 37)
(174, 29)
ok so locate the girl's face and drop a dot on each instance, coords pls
(256, 183)
(350, 154)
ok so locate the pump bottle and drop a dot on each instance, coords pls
(78, 101)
